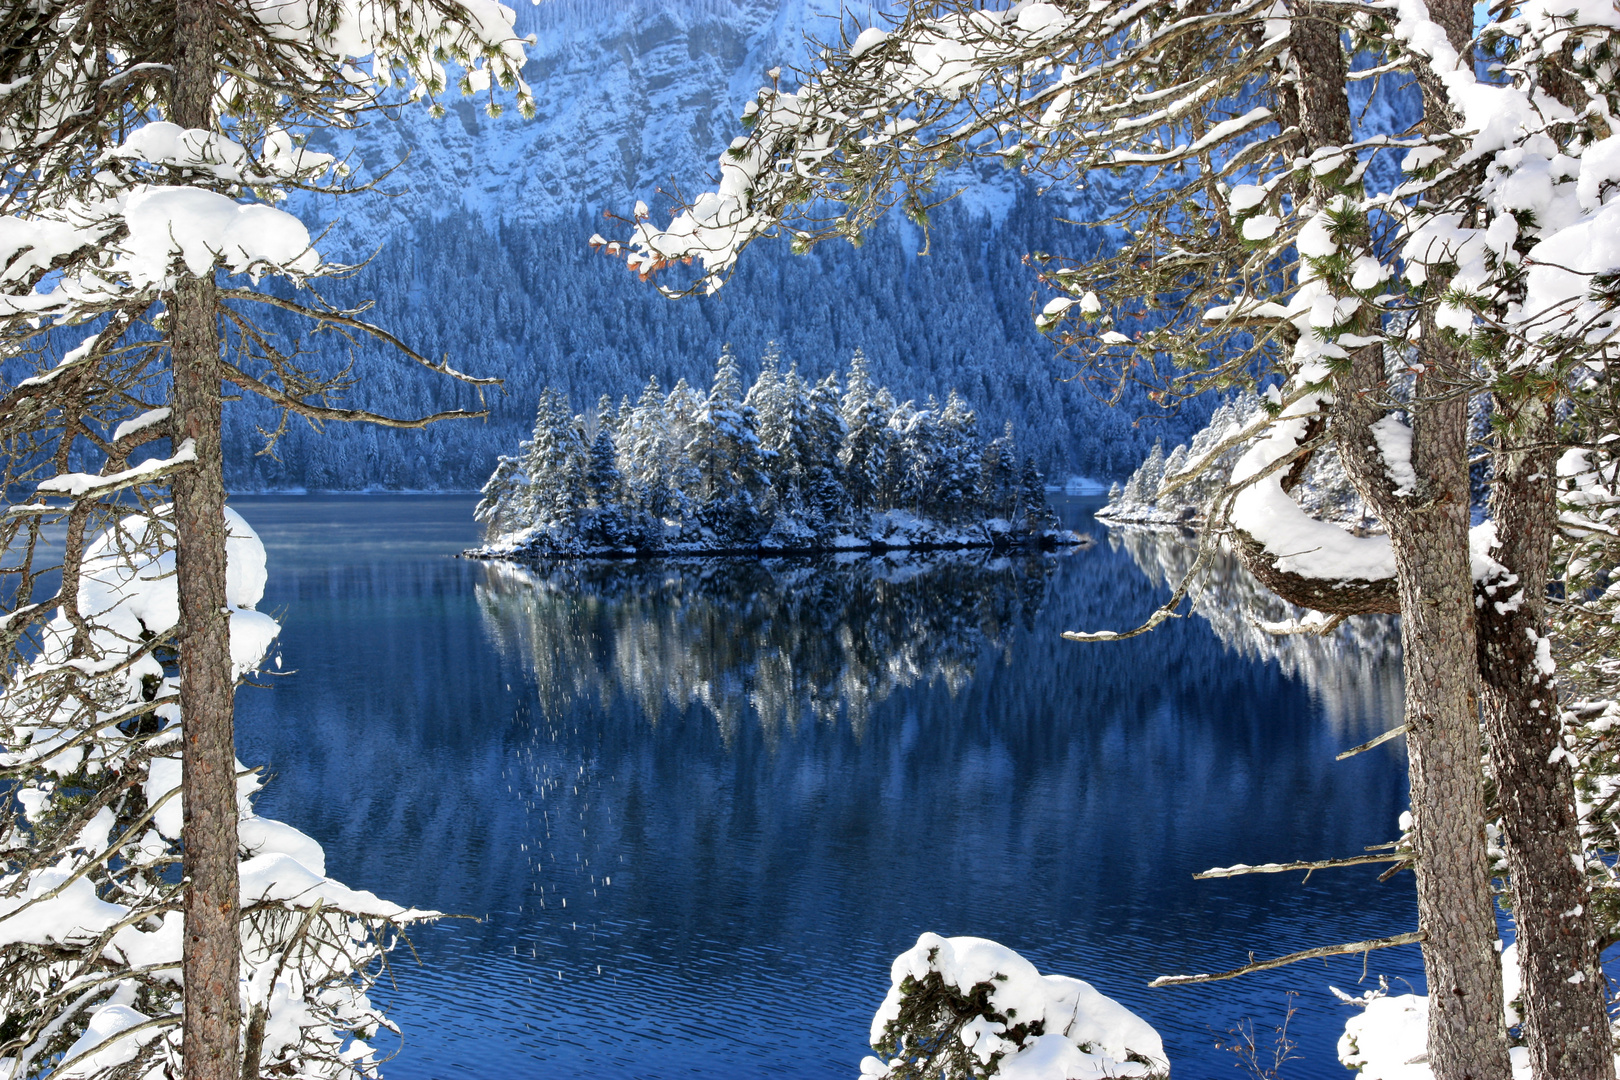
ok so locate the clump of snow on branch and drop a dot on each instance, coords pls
(1177, 488)
(1298, 542)
(1009, 82)
(965, 1006)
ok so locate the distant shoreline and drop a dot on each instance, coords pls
(1050, 542)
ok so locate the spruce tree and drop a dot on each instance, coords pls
(131, 132)
(1035, 511)
(861, 454)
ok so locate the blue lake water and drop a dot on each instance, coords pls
(699, 808)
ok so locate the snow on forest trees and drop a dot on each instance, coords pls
(786, 464)
(1180, 488)
(145, 146)
(90, 842)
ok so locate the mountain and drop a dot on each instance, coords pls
(476, 245)
(627, 95)
(477, 248)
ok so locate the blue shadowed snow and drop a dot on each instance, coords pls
(679, 881)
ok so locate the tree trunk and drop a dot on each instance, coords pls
(1563, 988)
(210, 958)
(1429, 535)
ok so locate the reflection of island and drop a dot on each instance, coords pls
(1354, 671)
(790, 638)
(1033, 789)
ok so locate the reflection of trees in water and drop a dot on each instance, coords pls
(789, 638)
(1355, 671)
(1030, 783)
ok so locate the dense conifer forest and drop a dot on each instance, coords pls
(534, 305)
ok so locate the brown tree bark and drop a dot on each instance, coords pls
(1428, 532)
(1563, 986)
(210, 956)
(1566, 1021)
(1329, 596)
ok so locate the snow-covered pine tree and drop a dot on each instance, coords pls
(957, 471)
(919, 456)
(608, 520)
(724, 451)
(1151, 475)
(828, 500)
(892, 479)
(862, 452)
(602, 480)
(1131, 494)
(604, 416)
(682, 406)
(503, 506)
(554, 464)
(789, 445)
(1175, 463)
(998, 475)
(146, 146)
(645, 443)
(622, 421)
(1035, 510)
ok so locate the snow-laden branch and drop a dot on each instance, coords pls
(1059, 87)
(80, 485)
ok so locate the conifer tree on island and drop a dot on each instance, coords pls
(781, 466)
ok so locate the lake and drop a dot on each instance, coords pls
(698, 807)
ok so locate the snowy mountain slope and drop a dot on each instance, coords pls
(628, 95)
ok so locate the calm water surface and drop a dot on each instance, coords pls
(699, 809)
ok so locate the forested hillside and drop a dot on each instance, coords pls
(478, 243)
(532, 303)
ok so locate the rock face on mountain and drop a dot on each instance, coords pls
(629, 96)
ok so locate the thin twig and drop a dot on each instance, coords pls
(1392, 733)
(1283, 868)
(1291, 958)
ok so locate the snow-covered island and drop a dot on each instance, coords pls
(785, 466)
